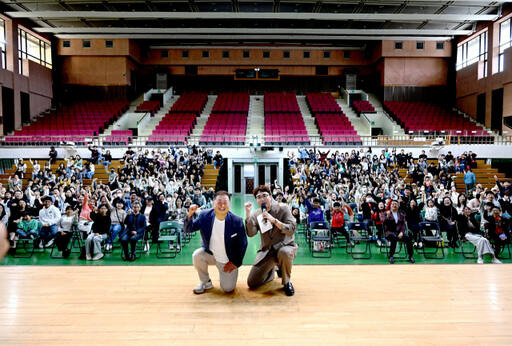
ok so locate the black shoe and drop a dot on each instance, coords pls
(391, 260)
(411, 259)
(288, 289)
(66, 253)
(132, 257)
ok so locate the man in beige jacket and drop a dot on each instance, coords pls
(277, 226)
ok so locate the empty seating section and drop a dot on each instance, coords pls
(71, 123)
(363, 107)
(119, 137)
(418, 117)
(228, 122)
(283, 120)
(177, 125)
(334, 127)
(149, 106)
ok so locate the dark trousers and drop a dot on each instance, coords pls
(127, 237)
(341, 230)
(415, 229)
(48, 233)
(62, 241)
(451, 232)
(393, 239)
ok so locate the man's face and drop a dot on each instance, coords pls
(263, 197)
(221, 205)
(394, 206)
(47, 203)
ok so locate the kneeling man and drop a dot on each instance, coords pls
(224, 243)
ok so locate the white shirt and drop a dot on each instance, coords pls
(217, 245)
(395, 215)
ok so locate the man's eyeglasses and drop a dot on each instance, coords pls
(263, 195)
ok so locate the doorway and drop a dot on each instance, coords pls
(25, 107)
(497, 110)
(480, 108)
(8, 109)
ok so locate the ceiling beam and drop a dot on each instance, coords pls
(266, 38)
(398, 17)
(262, 31)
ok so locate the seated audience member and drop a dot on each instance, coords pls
(338, 222)
(315, 213)
(395, 230)
(48, 216)
(413, 218)
(27, 228)
(498, 229)
(135, 225)
(99, 233)
(447, 218)
(117, 217)
(65, 230)
(469, 229)
(378, 218)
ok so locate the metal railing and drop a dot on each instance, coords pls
(408, 140)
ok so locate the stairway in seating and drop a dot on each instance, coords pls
(209, 177)
(397, 129)
(256, 120)
(202, 119)
(309, 120)
(359, 123)
(128, 113)
(155, 120)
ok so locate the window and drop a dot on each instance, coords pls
(306, 55)
(439, 45)
(420, 45)
(66, 43)
(225, 54)
(286, 54)
(184, 54)
(472, 51)
(266, 54)
(505, 39)
(327, 54)
(2, 44)
(33, 48)
(205, 54)
(86, 44)
(399, 44)
(246, 54)
(109, 44)
(346, 54)
(164, 53)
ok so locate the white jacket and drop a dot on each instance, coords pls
(49, 216)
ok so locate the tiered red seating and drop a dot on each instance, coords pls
(149, 106)
(363, 107)
(119, 137)
(333, 125)
(283, 120)
(228, 121)
(177, 125)
(71, 123)
(418, 117)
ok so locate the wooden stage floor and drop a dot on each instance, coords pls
(363, 304)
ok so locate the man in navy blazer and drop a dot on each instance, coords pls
(224, 243)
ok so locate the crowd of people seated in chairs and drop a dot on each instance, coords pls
(57, 210)
(363, 187)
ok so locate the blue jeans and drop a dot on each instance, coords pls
(114, 231)
(48, 233)
(125, 238)
(24, 234)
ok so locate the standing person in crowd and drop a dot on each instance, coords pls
(277, 247)
(53, 155)
(469, 180)
(223, 243)
(394, 227)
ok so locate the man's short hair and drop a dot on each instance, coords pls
(222, 193)
(47, 199)
(261, 188)
(336, 204)
(316, 200)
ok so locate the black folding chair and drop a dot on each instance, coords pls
(430, 234)
(359, 233)
(320, 244)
